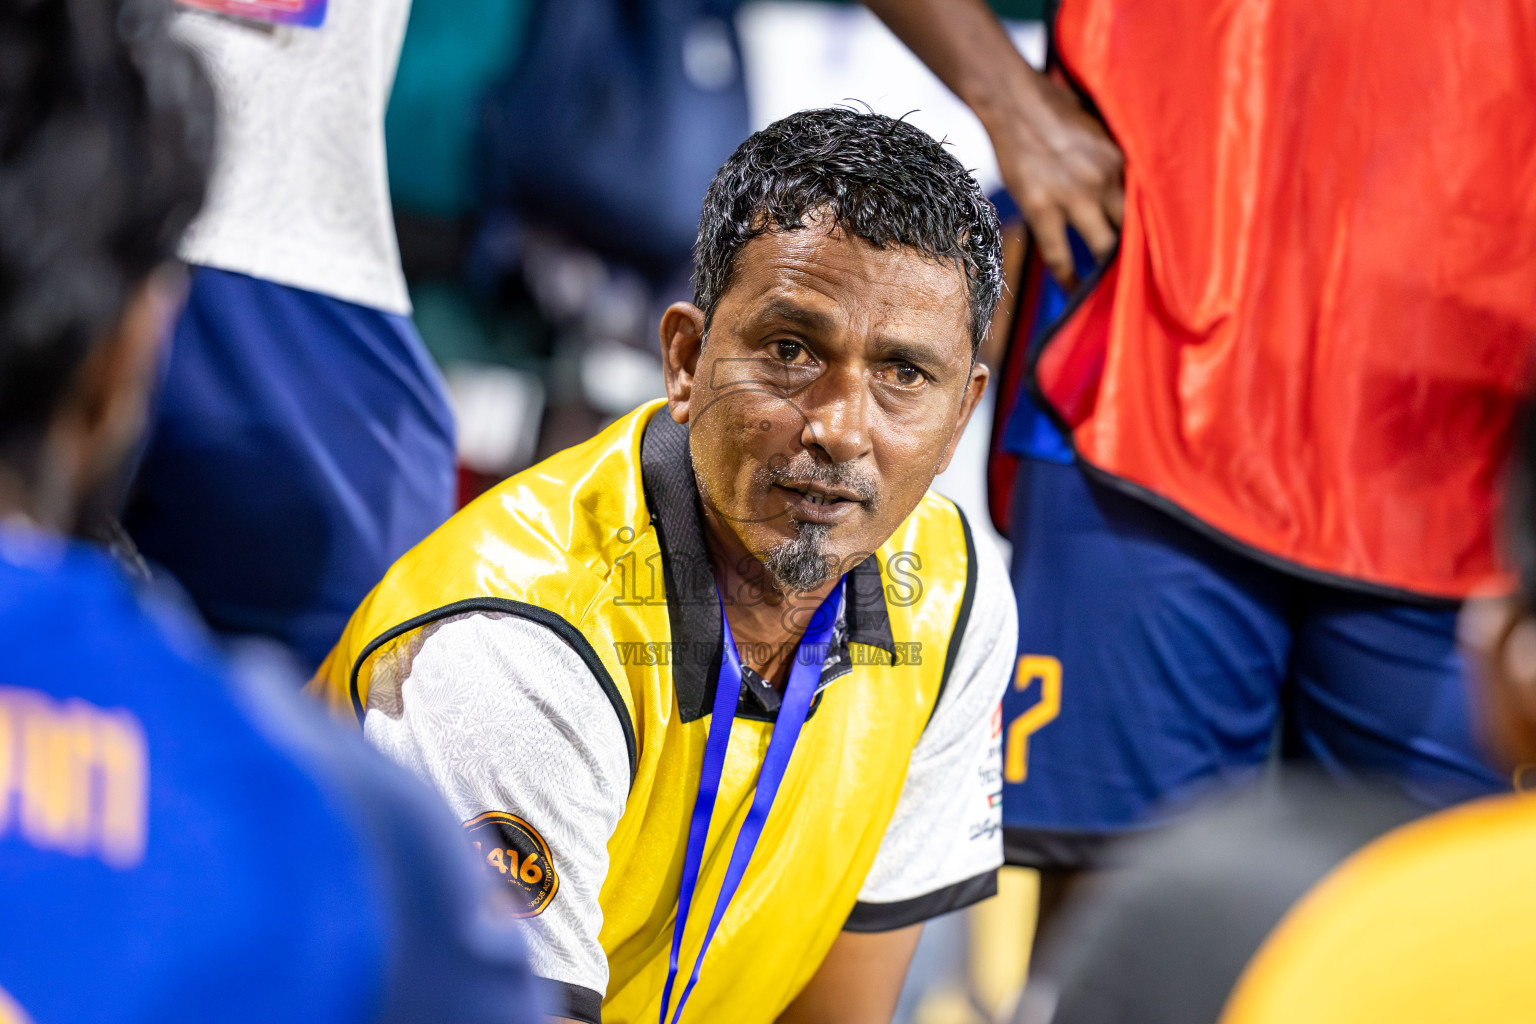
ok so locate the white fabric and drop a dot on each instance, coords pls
(300, 194)
(948, 823)
(499, 714)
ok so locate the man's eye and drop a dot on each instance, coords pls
(789, 351)
(908, 376)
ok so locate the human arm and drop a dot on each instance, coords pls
(504, 719)
(1059, 163)
(450, 951)
(860, 980)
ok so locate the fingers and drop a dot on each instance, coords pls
(1114, 204)
(1049, 228)
(1048, 224)
(1065, 170)
(1093, 223)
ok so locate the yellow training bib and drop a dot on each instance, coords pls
(602, 544)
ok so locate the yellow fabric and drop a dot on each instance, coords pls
(999, 935)
(1002, 935)
(1434, 922)
(559, 536)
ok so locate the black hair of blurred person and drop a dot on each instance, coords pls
(106, 142)
(881, 179)
(1501, 631)
(1520, 504)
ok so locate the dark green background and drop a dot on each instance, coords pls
(1023, 10)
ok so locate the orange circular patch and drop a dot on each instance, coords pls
(515, 852)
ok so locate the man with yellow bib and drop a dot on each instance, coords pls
(715, 693)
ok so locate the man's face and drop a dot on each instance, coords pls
(833, 386)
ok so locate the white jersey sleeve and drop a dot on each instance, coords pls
(506, 721)
(944, 844)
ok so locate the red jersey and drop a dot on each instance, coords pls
(1322, 319)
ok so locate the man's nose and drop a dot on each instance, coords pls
(837, 418)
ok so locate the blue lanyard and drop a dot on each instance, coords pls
(804, 675)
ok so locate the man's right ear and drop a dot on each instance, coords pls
(682, 340)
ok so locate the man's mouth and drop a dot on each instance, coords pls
(814, 503)
(817, 494)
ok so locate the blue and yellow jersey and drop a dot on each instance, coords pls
(179, 846)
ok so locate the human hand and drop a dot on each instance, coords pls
(1062, 168)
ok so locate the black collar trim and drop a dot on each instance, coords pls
(693, 608)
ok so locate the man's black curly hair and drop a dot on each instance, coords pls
(106, 140)
(883, 180)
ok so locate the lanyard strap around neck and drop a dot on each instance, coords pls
(804, 676)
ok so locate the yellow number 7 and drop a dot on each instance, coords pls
(1031, 667)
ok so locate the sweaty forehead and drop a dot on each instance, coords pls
(848, 280)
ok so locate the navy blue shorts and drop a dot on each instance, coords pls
(301, 445)
(1156, 664)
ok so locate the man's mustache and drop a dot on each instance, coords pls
(803, 470)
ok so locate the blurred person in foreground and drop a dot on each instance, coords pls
(302, 440)
(1274, 418)
(724, 679)
(1284, 905)
(177, 842)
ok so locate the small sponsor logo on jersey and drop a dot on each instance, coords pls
(308, 13)
(519, 856)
